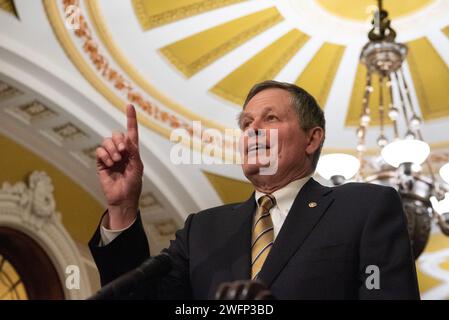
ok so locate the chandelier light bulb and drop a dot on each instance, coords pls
(410, 135)
(415, 122)
(360, 132)
(444, 172)
(382, 141)
(361, 147)
(393, 113)
(405, 151)
(441, 206)
(338, 164)
(365, 120)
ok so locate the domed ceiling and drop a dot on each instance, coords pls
(196, 60)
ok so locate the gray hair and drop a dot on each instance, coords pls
(309, 112)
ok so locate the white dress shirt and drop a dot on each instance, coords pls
(284, 201)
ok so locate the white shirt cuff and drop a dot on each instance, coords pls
(108, 235)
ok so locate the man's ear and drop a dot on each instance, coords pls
(315, 137)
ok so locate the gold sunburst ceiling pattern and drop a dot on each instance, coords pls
(8, 6)
(192, 54)
(358, 10)
(211, 52)
(152, 14)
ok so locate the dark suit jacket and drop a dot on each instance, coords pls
(321, 252)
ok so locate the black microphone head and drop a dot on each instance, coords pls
(124, 286)
(157, 266)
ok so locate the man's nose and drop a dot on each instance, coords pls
(254, 131)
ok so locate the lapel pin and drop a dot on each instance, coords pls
(312, 204)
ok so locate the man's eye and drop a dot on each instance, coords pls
(272, 118)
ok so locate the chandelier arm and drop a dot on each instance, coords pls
(444, 226)
(407, 92)
(368, 89)
(428, 164)
(360, 173)
(401, 96)
(381, 104)
(363, 125)
(418, 131)
(390, 91)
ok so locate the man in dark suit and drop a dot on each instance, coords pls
(301, 239)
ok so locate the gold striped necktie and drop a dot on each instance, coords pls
(262, 234)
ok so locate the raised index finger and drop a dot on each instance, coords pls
(133, 132)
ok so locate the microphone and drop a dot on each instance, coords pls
(149, 271)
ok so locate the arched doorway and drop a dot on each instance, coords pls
(25, 266)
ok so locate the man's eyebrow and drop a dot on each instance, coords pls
(242, 115)
(266, 111)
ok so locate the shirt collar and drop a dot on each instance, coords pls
(286, 195)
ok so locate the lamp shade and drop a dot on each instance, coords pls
(441, 206)
(444, 172)
(405, 151)
(338, 164)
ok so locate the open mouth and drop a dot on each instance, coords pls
(257, 146)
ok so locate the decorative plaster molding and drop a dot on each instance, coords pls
(98, 69)
(7, 91)
(31, 208)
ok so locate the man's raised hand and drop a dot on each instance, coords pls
(120, 172)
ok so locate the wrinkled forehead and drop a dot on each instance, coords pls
(275, 98)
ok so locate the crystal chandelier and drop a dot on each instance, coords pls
(424, 198)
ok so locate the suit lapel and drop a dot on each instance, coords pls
(310, 204)
(241, 253)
